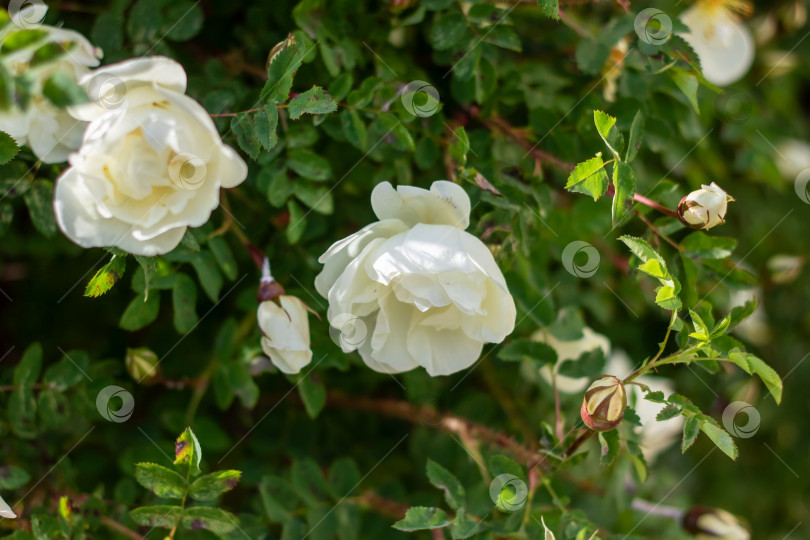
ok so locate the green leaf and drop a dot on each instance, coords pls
(691, 428)
(278, 498)
(144, 21)
(687, 83)
(68, 371)
(211, 486)
(527, 349)
(459, 146)
(308, 164)
(106, 277)
(443, 479)
(754, 365)
(317, 197)
(669, 411)
(140, 312)
(344, 476)
(39, 199)
(400, 136)
(13, 477)
(160, 480)
(447, 30)
(465, 527)
(265, 124)
(313, 101)
(701, 245)
(184, 302)
(208, 274)
(313, 394)
(610, 445)
(604, 125)
(294, 529)
(8, 148)
(297, 224)
(27, 371)
(62, 90)
(420, 518)
(636, 136)
(655, 397)
(550, 8)
(164, 517)
(216, 520)
(187, 450)
(589, 177)
(624, 182)
(22, 413)
(280, 72)
(667, 298)
(353, 128)
(504, 37)
(184, 20)
(224, 256)
(721, 438)
(308, 482)
(245, 132)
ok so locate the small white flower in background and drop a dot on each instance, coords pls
(792, 157)
(715, 524)
(718, 36)
(754, 328)
(50, 131)
(285, 329)
(705, 208)
(284, 323)
(785, 268)
(151, 162)
(428, 293)
(570, 350)
(5, 510)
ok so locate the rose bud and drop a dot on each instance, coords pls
(143, 365)
(604, 404)
(704, 208)
(713, 523)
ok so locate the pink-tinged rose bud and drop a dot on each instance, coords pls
(705, 208)
(604, 404)
(715, 524)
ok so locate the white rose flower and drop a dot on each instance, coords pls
(723, 43)
(416, 289)
(151, 162)
(792, 157)
(51, 132)
(5, 510)
(570, 350)
(285, 330)
(705, 208)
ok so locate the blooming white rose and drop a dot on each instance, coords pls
(570, 350)
(423, 291)
(705, 208)
(5, 510)
(285, 330)
(51, 132)
(723, 43)
(151, 162)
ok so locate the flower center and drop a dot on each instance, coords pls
(187, 171)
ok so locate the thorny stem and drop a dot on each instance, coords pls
(110, 523)
(654, 205)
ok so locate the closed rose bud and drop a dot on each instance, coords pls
(704, 208)
(714, 524)
(143, 365)
(604, 404)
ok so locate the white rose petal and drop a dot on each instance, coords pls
(285, 330)
(51, 133)
(428, 293)
(792, 157)
(723, 43)
(148, 168)
(5, 510)
(706, 207)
